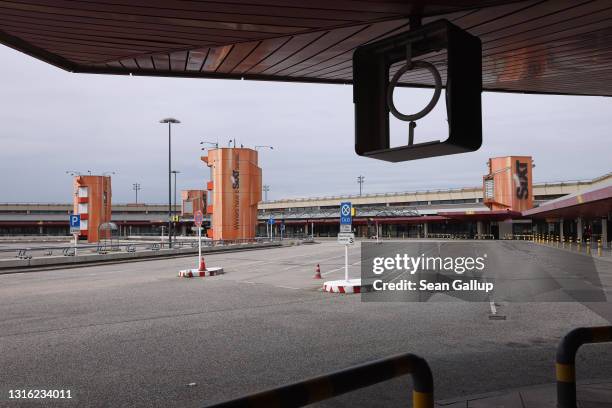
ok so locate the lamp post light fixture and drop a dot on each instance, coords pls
(266, 146)
(360, 180)
(266, 188)
(170, 121)
(216, 144)
(136, 187)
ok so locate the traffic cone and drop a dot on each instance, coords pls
(318, 272)
(202, 267)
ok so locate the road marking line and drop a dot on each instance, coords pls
(340, 268)
(493, 308)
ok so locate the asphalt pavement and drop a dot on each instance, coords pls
(134, 334)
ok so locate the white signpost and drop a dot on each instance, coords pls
(75, 229)
(346, 236)
(198, 218)
(201, 269)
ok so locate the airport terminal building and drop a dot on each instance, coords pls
(562, 208)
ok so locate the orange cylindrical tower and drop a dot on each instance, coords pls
(235, 190)
(92, 200)
(509, 184)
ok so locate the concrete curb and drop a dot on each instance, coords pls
(55, 262)
(540, 396)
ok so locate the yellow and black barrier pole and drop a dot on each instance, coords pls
(331, 385)
(588, 246)
(599, 247)
(566, 360)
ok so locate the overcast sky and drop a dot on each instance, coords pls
(53, 121)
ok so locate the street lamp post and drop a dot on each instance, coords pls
(175, 172)
(216, 144)
(360, 180)
(266, 146)
(266, 188)
(170, 121)
(136, 188)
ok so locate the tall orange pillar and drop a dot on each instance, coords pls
(509, 184)
(236, 191)
(92, 200)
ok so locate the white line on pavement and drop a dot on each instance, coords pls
(286, 287)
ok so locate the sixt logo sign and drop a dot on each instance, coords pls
(235, 179)
(522, 189)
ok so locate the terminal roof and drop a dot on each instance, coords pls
(558, 47)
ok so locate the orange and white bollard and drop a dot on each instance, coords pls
(201, 270)
(318, 272)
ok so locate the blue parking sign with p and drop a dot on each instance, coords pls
(346, 216)
(75, 223)
(75, 220)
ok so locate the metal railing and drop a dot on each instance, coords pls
(104, 248)
(565, 366)
(23, 254)
(340, 382)
(457, 235)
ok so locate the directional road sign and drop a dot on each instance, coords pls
(346, 217)
(345, 238)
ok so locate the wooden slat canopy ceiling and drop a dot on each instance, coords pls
(557, 46)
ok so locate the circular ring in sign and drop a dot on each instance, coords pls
(434, 100)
